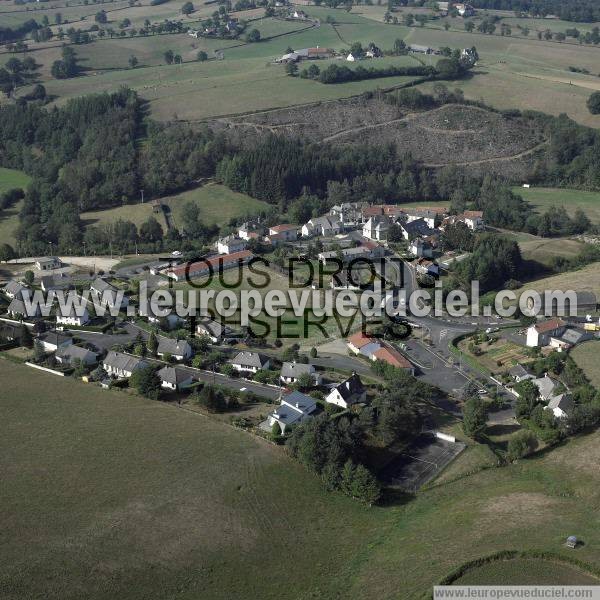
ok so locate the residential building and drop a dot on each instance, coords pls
(351, 58)
(473, 219)
(424, 266)
(561, 405)
(349, 213)
(48, 263)
(389, 210)
(392, 357)
(285, 232)
(108, 292)
(175, 378)
(74, 317)
(213, 265)
(177, 349)
(325, 226)
(291, 372)
(294, 408)
(14, 289)
(214, 330)
(376, 228)
(540, 333)
(520, 373)
(348, 392)
(50, 283)
(117, 364)
(420, 248)
(230, 244)
(546, 386)
(431, 217)
(168, 323)
(250, 361)
(18, 309)
(251, 230)
(356, 341)
(414, 229)
(71, 353)
(51, 341)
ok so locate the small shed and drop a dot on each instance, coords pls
(572, 541)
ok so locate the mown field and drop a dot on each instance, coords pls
(108, 495)
(586, 356)
(9, 218)
(543, 198)
(586, 279)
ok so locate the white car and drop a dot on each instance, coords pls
(176, 253)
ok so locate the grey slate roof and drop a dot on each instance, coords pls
(17, 306)
(55, 338)
(350, 387)
(167, 345)
(545, 385)
(174, 375)
(100, 285)
(250, 359)
(213, 328)
(574, 336)
(14, 288)
(417, 228)
(562, 401)
(72, 352)
(293, 369)
(519, 371)
(294, 407)
(123, 362)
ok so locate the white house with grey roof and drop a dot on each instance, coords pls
(175, 378)
(326, 225)
(294, 408)
(291, 372)
(212, 329)
(118, 364)
(69, 354)
(520, 373)
(348, 392)
(560, 405)
(230, 244)
(14, 289)
(51, 341)
(376, 228)
(18, 309)
(546, 386)
(108, 291)
(178, 349)
(250, 361)
(73, 317)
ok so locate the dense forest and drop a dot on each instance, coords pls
(102, 151)
(583, 11)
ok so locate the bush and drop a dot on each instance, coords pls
(521, 444)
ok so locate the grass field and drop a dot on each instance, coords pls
(571, 200)
(9, 218)
(582, 280)
(136, 213)
(543, 250)
(586, 356)
(108, 495)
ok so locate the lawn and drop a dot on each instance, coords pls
(108, 495)
(543, 198)
(544, 250)
(586, 356)
(9, 218)
(216, 204)
(136, 213)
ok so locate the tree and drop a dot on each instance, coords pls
(474, 417)
(365, 486)
(253, 36)
(593, 103)
(313, 71)
(6, 252)
(291, 69)
(101, 17)
(313, 352)
(152, 343)
(28, 276)
(39, 354)
(305, 382)
(25, 338)
(275, 430)
(521, 444)
(151, 231)
(146, 382)
(399, 47)
(187, 8)
(38, 92)
(133, 61)
(202, 56)
(168, 56)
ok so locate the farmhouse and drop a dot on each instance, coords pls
(349, 392)
(291, 371)
(294, 408)
(209, 265)
(540, 333)
(177, 349)
(230, 244)
(250, 361)
(117, 364)
(48, 263)
(174, 378)
(326, 225)
(71, 353)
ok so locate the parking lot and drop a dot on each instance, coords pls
(425, 458)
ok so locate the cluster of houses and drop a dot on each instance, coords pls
(464, 10)
(555, 334)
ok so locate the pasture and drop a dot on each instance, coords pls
(543, 198)
(545, 250)
(106, 494)
(9, 218)
(586, 356)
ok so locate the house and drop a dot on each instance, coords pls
(358, 340)
(349, 213)
(251, 230)
(420, 49)
(49, 283)
(390, 210)
(326, 225)
(75, 317)
(299, 14)
(214, 330)
(560, 405)
(168, 323)
(117, 364)
(421, 248)
(473, 219)
(52, 341)
(250, 361)
(315, 53)
(18, 309)
(346, 254)
(205, 267)
(520, 373)
(414, 229)
(175, 378)
(178, 349)
(347, 393)
(294, 408)
(14, 289)
(285, 232)
(376, 228)
(546, 386)
(291, 372)
(108, 292)
(540, 333)
(465, 10)
(351, 57)
(369, 349)
(70, 353)
(424, 266)
(392, 357)
(431, 217)
(48, 263)
(230, 244)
